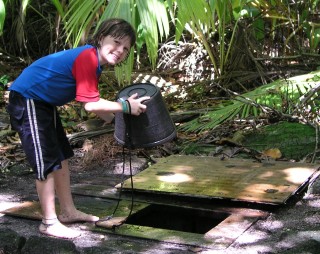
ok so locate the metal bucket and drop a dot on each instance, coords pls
(149, 129)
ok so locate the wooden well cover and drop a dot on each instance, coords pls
(236, 179)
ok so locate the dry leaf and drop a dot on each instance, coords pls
(273, 153)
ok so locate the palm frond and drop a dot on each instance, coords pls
(120, 9)
(281, 95)
(154, 22)
(2, 15)
(78, 18)
(59, 7)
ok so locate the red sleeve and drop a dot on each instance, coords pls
(85, 72)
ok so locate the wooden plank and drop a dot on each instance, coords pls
(235, 179)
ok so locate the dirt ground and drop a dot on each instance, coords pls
(293, 228)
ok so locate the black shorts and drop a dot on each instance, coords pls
(42, 136)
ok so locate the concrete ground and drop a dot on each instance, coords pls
(294, 228)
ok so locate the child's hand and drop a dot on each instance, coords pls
(137, 107)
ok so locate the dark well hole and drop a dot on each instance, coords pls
(177, 218)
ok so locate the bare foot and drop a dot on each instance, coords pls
(58, 230)
(77, 216)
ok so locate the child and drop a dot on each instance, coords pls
(55, 80)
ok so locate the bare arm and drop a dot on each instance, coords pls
(105, 109)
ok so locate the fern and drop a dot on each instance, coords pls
(281, 95)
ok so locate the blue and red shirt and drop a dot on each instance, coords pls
(62, 77)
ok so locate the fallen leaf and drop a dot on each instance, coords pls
(273, 153)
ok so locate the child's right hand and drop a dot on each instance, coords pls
(137, 107)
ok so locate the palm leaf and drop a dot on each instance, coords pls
(198, 17)
(154, 22)
(20, 23)
(78, 17)
(59, 7)
(250, 104)
(124, 9)
(2, 15)
(203, 18)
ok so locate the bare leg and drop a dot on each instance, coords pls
(46, 195)
(50, 224)
(68, 211)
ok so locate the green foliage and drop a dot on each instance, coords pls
(194, 148)
(292, 21)
(199, 19)
(204, 19)
(298, 18)
(283, 28)
(153, 27)
(3, 81)
(281, 95)
(79, 18)
(294, 140)
(2, 15)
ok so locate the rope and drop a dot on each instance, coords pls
(128, 141)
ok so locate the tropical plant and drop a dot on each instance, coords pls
(281, 28)
(295, 21)
(268, 21)
(202, 18)
(3, 81)
(2, 15)
(30, 30)
(220, 17)
(278, 29)
(280, 97)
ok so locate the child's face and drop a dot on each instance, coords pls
(113, 50)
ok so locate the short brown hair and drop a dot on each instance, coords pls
(115, 27)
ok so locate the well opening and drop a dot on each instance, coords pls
(177, 218)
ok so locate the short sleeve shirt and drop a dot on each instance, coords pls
(62, 77)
